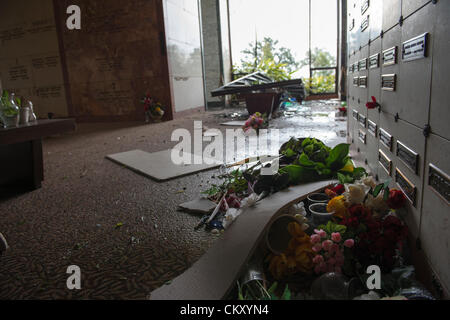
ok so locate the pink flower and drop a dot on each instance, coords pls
(336, 237)
(327, 244)
(349, 243)
(315, 238)
(317, 247)
(321, 233)
(318, 259)
(334, 248)
(338, 269)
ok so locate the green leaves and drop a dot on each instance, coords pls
(338, 156)
(332, 227)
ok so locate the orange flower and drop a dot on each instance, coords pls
(337, 204)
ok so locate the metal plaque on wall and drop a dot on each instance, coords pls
(362, 120)
(439, 182)
(408, 188)
(364, 6)
(408, 157)
(356, 81)
(365, 24)
(388, 82)
(355, 115)
(374, 61)
(372, 128)
(362, 136)
(386, 139)
(363, 82)
(390, 56)
(415, 48)
(362, 64)
(385, 162)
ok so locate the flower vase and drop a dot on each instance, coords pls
(9, 113)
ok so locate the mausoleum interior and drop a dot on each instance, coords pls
(224, 150)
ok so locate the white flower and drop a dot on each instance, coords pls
(377, 204)
(250, 201)
(355, 193)
(369, 181)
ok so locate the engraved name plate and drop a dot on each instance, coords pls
(350, 69)
(365, 23)
(386, 139)
(415, 48)
(362, 120)
(385, 162)
(355, 67)
(362, 136)
(372, 128)
(439, 181)
(408, 157)
(363, 82)
(390, 56)
(364, 6)
(356, 81)
(388, 82)
(408, 188)
(355, 115)
(362, 64)
(374, 61)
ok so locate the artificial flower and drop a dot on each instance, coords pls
(355, 193)
(336, 237)
(349, 243)
(337, 205)
(377, 204)
(372, 105)
(396, 199)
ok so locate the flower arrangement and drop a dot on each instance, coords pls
(329, 245)
(255, 122)
(365, 211)
(152, 108)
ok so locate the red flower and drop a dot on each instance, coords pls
(396, 199)
(372, 105)
(343, 109)
(339, 189)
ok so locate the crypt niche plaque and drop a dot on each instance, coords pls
(365, 24)
(408, 188)
(374, 61)
(363, 82)
(408, 157)
(362, 64)
(386, 139)
(388, 82)
(439, 182)
(372, 128)
(355, 115)
(364, 6)
(356, 81)
(362, 120)
(415, 48)
(389, 56)
(385, 162)
(362, 136)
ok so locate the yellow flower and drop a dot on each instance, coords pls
(348, 167)
(337, 204)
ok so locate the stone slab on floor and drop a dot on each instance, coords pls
(159, 165)
(233, 123)
(198, 206)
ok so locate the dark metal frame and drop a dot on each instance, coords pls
(335, 68)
